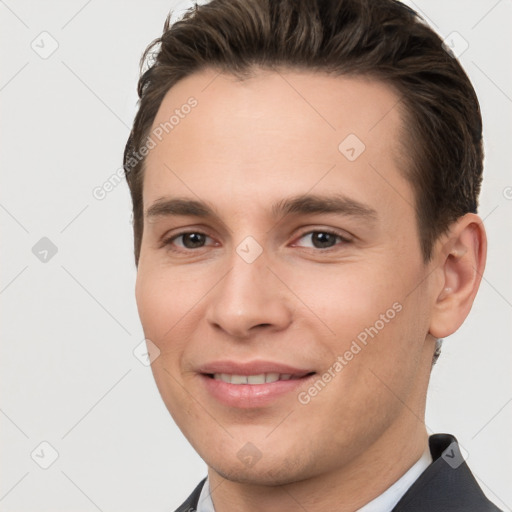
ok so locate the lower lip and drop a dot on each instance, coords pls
(246, 396)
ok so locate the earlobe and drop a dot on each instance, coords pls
(461, 258)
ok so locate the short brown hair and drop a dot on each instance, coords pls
(382, 39)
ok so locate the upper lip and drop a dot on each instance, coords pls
(252, 368)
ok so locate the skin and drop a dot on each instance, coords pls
(244, 147)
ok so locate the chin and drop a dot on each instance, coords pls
(271, 471)
(265, 476)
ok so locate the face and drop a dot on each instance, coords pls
(280, 273)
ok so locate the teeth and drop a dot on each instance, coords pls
(256, 379)
(238, 379)
(261, 378)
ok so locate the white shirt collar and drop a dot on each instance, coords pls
(382, 503)
(205, 503)
(392, 495)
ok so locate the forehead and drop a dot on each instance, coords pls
(276, 131)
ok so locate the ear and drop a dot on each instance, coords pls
(460, 259)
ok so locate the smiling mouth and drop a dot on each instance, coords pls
(261, 378)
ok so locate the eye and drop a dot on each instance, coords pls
(188, 240)
(322, 239)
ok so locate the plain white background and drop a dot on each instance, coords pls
(68, 373)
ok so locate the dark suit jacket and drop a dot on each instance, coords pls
(447, 485)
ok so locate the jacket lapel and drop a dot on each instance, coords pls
(447, 485)
(190, 504)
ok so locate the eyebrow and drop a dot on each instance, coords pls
(300, 204)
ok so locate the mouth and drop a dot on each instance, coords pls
(253, 384)
(255, 379)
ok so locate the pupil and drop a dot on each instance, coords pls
(191, 240)
(322, 240)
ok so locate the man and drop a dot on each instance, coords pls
(304, 178)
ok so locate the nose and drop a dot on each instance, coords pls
(250, 298)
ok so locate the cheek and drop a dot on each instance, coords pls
(170, 305)
(159, 307)
(348, 298)
(367, 315)
(149, 303)
(162, 299)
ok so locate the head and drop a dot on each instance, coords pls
(324, 159)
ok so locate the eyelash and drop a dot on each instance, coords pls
(169, 241)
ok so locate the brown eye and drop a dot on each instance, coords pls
(187, 240)
(193, 240)
(321, 240)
